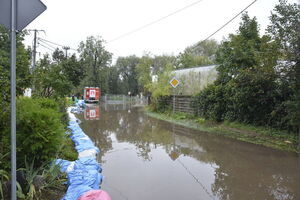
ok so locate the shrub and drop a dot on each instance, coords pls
(210, 103)
(254, 97)
(161, 104)
(59, 104)
(39, 130)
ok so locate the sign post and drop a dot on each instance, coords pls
(13, 101)
(174, 82)
(15, 15)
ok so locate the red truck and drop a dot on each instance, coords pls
(92, 94)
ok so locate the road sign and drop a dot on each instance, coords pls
(174, 82)
(27, 11)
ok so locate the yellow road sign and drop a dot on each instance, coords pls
(174, 82)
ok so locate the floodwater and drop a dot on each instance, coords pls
(148, 159)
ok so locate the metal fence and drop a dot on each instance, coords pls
(123, 99)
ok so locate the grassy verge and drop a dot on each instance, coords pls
(252, 134)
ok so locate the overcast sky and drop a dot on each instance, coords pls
(68, 22)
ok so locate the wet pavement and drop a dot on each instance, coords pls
(146, 159)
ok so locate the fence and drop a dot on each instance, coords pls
(182, 103)
(121, 99)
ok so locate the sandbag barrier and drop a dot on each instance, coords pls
(84, 174)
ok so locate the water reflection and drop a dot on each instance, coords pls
(92, 112)
(139, 153)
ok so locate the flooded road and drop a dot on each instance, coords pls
(148, 159)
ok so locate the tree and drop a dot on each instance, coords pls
(249, 88)
(199, 54)
(144, 71)
(245, 51)
(207, 48)
(162, 87)
(50, 81)
(114, 81)
(73, 70)
(126, 67)
(96, 61)
(161, 62)
(58, 55)
(23, 79)
(285, 31)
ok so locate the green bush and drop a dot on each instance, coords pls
(161, 104)
(253, 97)
(39, 130)
(210, 103)
(4, 137)
(59, 104)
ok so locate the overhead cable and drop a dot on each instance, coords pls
(47, 44)
(56, 44)
(155, 21)
(45, 47)
(228, 22)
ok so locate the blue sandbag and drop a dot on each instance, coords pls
(85, 173)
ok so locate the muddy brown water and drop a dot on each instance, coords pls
(147, 159)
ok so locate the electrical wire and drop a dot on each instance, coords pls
(228, 22)
(45, 47)
(155, 21)
(44, 40)
(47, 44)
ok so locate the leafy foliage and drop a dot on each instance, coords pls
(162, 86)
(144, 72)
(285, 31)
(250, 87)
(22, 64)
(200, 54)
(39, 130)
(96, 61)
(126, 68)
(50, 81)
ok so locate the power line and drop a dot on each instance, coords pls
(44, 40)
(154, 22)
(47, 44)
(228, 21)
(46, 47)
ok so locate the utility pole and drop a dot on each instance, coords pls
(34, 48)
(66, 50)
(34, 51)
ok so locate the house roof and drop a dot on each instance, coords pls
(195, 69)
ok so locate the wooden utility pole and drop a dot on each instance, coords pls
(34, 48)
